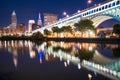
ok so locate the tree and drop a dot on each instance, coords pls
(37, 35)
(47, 32)
(116, 29)
(84, 25)
(67, 29)
(56, 30)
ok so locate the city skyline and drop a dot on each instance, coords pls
(27, 10)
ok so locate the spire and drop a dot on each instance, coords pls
(39, 20)
(39, 17)
(13, 13)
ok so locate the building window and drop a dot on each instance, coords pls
(103, 8)
(109, 5)
(118, 2)
(106, 7)
(95, 10)
(113, 4)
(99, 9)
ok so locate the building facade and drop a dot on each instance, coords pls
(30, 23)
(13, 20)
(50, 19)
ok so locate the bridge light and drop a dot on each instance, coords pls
(64, 13)
(67, 15)
(78, 11)
(89, 1)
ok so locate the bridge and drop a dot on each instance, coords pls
(98, 14)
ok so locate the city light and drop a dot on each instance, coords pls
(64, 13)
(89, 1)
(89, 76)
(78, 11)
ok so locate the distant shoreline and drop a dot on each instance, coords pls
(89, 40)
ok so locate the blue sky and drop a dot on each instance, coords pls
(29, 9)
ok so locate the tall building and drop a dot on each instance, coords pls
(49, 18)
(39, 20)
(13, 20)
(30, 23)
(20, 28)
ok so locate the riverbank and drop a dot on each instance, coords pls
(90, 40)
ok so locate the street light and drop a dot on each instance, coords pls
(67, 15)
(78, 11)
(64, 13)
(89, 2)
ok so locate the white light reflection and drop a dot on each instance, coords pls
(79, 66)
(65, 64)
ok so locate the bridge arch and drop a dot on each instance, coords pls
(100, 19)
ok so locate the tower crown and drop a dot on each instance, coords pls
(13, 13)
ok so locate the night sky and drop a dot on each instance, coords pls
(29, 9)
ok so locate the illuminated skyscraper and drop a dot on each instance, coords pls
(49, 18)
(30, 23)
(13, 20)
(39, 20)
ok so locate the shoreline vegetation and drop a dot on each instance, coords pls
(67, 39)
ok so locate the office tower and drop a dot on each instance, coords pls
(30, 23)
(13, 20)
(39, 20)
(49, 19)
(20, 28)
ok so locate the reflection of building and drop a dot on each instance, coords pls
(30, 23)
(49, 18)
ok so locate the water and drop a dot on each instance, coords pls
(26, 60)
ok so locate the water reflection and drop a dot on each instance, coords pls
(94, 57)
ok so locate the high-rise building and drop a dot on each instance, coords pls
(39, 20)
(13, 20)
(30, 23)
(35, 26)
(49, 18)
(20, 28)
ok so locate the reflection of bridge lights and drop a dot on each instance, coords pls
(60, 58)
(68, 62)
(40, 54)
(101, 68)
(65, 64)
(79, 66)
(54, 55)
(89, 76)
(90, 48)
